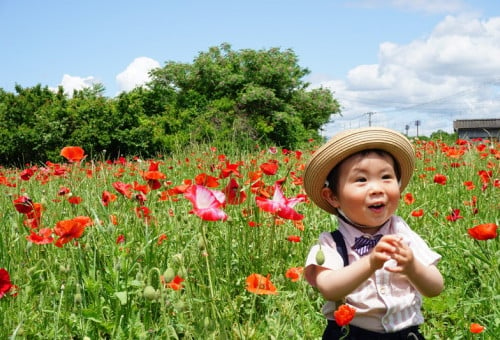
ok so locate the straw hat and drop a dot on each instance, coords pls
(348, 142)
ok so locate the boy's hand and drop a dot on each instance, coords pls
(386, 248)
(403, 255)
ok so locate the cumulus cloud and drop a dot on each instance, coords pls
(71, 83)
(451, 74)
(136, 74)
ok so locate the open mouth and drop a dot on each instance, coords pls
(377, 207)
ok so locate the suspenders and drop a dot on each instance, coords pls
(341, 247)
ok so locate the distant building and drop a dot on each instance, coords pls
(477, 128)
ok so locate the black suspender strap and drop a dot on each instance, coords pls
(341, 247)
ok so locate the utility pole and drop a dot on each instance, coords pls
(407, 127)
(417, 124)
(370, 117)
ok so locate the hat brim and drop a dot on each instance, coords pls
(349, 142)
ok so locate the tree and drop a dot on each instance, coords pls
(260, 93)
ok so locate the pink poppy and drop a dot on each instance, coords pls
(206, 203)
(280, 205)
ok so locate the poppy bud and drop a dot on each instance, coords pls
(77, 298)
(320, 257)
(169, 274)
(149, 293)
(201, 243)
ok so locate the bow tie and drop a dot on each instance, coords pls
(363, 244)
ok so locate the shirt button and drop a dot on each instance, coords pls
(383, 290)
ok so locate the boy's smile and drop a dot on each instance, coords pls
(368, 190)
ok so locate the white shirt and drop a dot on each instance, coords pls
(386, 302)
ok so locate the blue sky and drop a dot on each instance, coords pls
(404, 61)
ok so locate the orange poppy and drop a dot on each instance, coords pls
(71, 229)
(73, 153)
(344, 315)
(261, 285)
(417, 213)
(482, 232)
(476, 328)
(294, 273)
(409, 199)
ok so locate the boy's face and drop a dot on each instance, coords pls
(368, 189)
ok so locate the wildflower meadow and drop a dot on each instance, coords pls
(206, 244)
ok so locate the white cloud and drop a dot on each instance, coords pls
(71, 83)
(451, 74)
(136, 74)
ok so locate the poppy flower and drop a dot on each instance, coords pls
(75, 200)
(44, 236)
(206, 203)
(120, 239)
(107, 198)
(206, 180)
(409, 199)
(280, 205)
(293, 238)
(123, 188)
(440, 179)
(70, 229)
(161, 239)
(73, 153)
(455, 215)
(261, 285)
(269, 168)
(344, 315)
(176, 283)
(482, 232)
(5, 283)
(233, 193)
(417, 213)
(230, 169)
(23, 204)
(476, 328)
(294, 273)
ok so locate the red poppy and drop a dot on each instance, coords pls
(27, 173)
(161, 239)
(120, 239)
(75, 200)
(107, 198)
(206, 203)
(176, 283)
(70, 229)
(206, 180)
(5, 283)
(440, 179)
(409, 199)
(261, 285)
(44, 236)
(233, 193)
(344, 315)
(280, 205)
(230, 169)
(482, 232)
(293, 238)
(269, 168)
(417, 213)
(73, 153)
(469, 185)
(476, 328)
(123, 188)
(23, 204)
(294, 273)
(455, 215)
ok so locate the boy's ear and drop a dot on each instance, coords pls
(330, 197)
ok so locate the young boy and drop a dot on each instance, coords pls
(359, 176)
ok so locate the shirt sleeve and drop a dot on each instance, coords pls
(333, 260)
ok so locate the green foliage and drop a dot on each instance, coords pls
(224, 96)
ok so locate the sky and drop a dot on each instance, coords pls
(411, 65)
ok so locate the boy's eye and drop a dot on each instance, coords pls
(387, 177)
(360, 179)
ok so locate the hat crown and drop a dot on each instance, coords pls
(347, 143)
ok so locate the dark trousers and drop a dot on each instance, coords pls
(334, 331)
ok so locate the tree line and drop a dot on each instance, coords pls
(223, 98)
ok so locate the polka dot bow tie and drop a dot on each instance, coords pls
(363, 244)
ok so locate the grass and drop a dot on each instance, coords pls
(110, 282)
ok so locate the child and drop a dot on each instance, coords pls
(359, 175)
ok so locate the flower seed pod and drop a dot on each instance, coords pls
(149, 293)
(169, 274)
(77, 298)
(320, 257)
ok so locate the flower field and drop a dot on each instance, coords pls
(209, 245)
